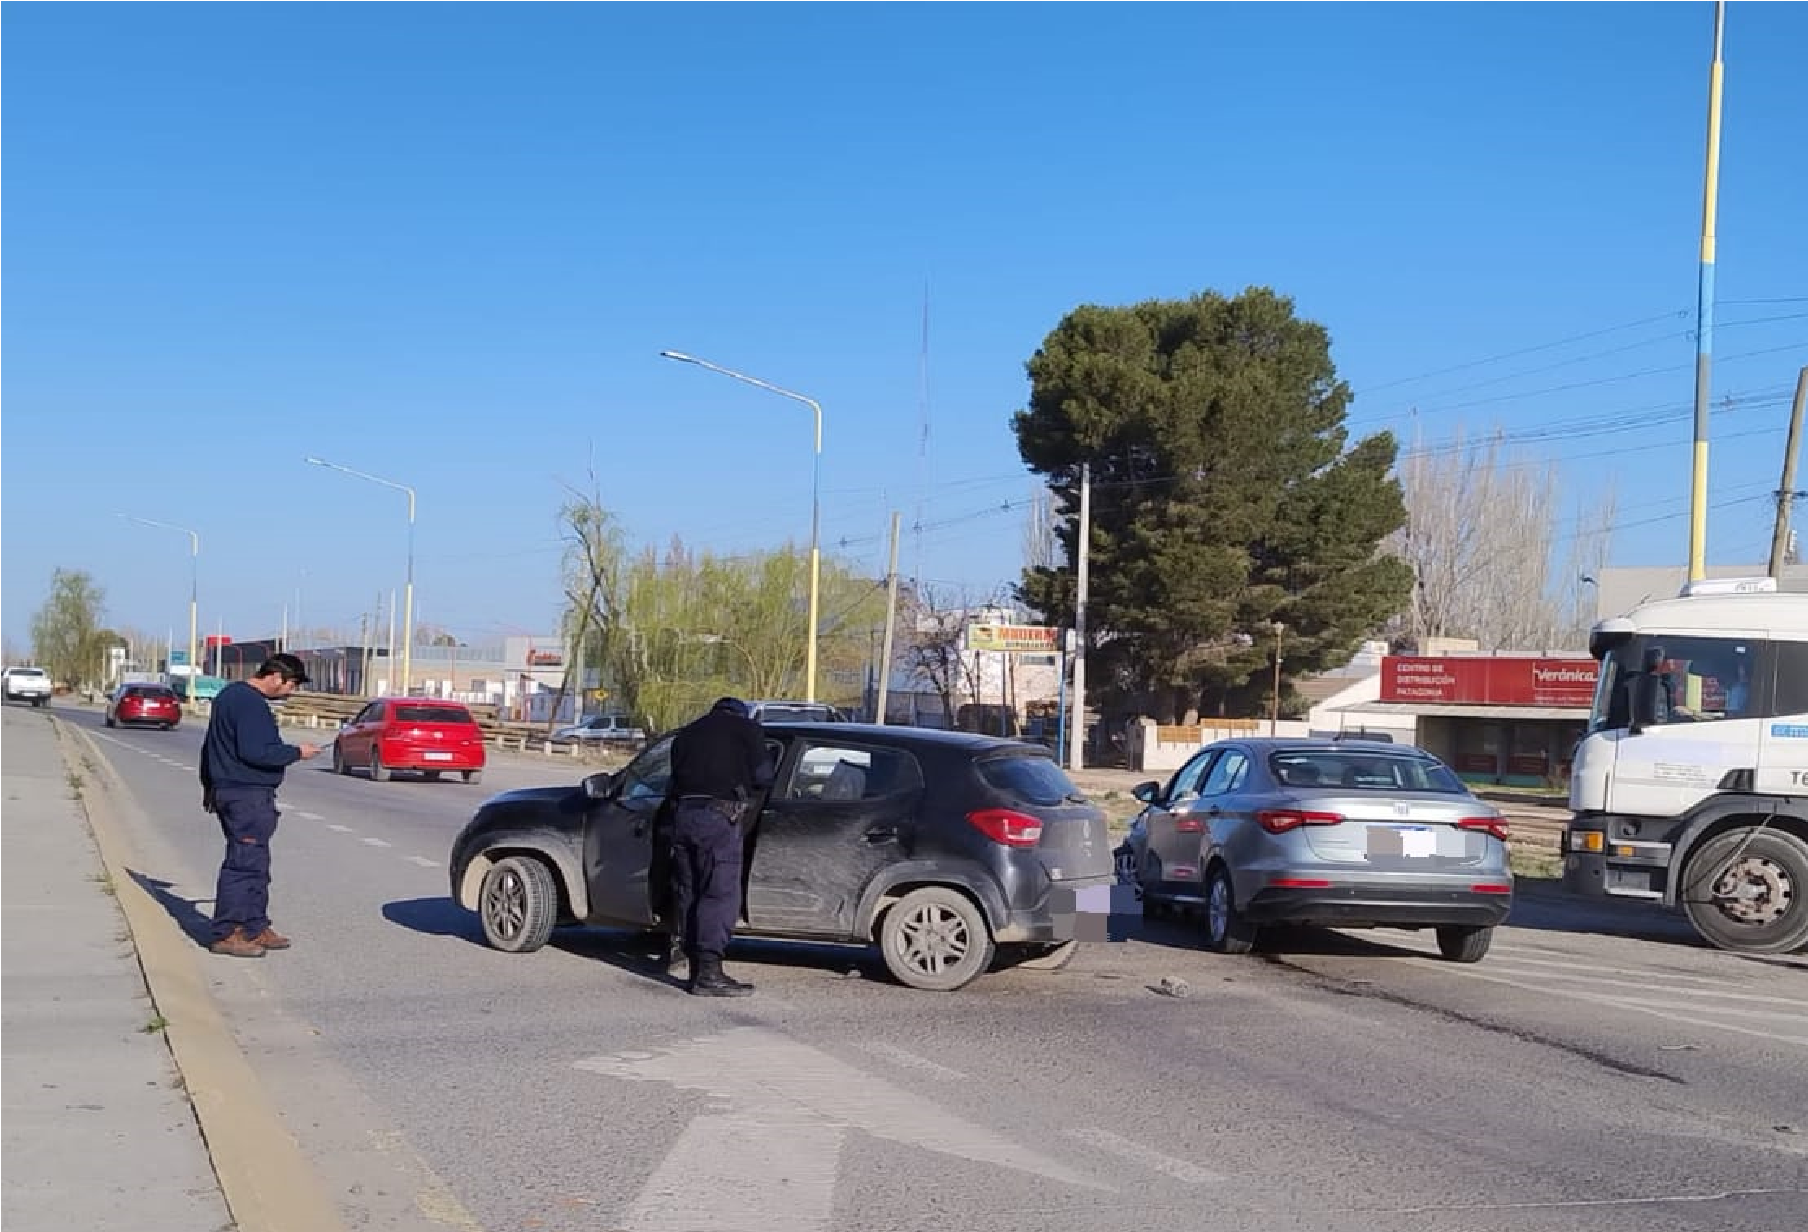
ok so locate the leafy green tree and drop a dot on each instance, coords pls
(1226, 496)
(672, 631)
(66, 634)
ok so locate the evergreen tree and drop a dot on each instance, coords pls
(1225, 497)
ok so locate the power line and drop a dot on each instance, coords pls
(1531, 350)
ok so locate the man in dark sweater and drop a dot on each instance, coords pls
(718, 763)
(242, 761)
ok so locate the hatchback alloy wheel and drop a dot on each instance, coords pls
(518, 904)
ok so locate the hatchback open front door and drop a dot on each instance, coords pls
(620, 834)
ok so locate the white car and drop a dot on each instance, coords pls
(28, 684)
(602, 727)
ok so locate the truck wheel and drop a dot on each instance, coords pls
(519, 904)
(1749, 896)
(935, 938)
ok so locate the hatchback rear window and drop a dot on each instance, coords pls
(152, 691)
(433, 714)
(1030, 778)
(1362, 771)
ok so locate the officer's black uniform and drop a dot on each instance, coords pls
(718, 763)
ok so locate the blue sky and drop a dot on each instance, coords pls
(446, 245)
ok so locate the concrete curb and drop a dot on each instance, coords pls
(267, 1182)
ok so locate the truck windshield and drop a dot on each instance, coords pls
(1702, 678)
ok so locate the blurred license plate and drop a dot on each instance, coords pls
(439, 757)
(1403, 840)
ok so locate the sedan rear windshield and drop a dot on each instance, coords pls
(433, 714)
(1031, 778)
(1363, 771)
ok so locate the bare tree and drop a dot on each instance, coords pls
(1482, 539)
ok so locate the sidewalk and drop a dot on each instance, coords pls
(98, 1133)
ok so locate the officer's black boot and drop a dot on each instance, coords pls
(709, 980)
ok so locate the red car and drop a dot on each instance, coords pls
(411, 733)
(144, 703)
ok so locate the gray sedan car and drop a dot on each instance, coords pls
(1319, 832)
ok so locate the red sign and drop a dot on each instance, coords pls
(1484, 681)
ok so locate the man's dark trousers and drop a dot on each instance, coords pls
(242, 898)
(706, 874)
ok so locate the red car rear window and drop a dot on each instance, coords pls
(433, 714)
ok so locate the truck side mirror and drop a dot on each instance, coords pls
(1646, 698)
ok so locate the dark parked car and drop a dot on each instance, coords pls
(947, 850)
(144, 703)
(1320, 832)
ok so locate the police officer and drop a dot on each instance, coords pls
(242, 763)
(719, 762)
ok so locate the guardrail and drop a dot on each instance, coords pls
(330, 711)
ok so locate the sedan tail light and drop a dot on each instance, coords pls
(1279, 821)
(1005, 827)
(1497, 826)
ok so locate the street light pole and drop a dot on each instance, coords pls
(815, 502)
(194, 593)
(408, 589)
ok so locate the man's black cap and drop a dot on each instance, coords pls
(288, 666)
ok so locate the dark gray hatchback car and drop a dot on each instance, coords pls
(949, 851)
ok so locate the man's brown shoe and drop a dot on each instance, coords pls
(270, 939)
(236, 944)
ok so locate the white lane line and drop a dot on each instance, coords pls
(336, 826)
(910, 1060)
(376, 842)
(1518, 955)
(307, 816)
(1126, 1148)
(1545, 990)
(1669, 992)
(423, 861)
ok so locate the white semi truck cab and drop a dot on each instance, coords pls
(1690, 787)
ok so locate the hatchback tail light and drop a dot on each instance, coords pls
(1005, 827)
(1497, 826)
(1279, 821)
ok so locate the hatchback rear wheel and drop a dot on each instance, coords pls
(379, 773)
(935, 939)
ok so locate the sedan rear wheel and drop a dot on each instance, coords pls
(379, 773)
(1226, 931)
(935, 939)
(519, 904)
(1465, 944)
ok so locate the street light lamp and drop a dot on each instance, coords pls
(193, 692)
(815, 501)
(408, 590)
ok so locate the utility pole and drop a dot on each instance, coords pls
(891, 621)
(1779, 538)
(1274, 720)
(1704, 316)
(1077, 734)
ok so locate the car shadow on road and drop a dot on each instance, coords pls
(640, 953)
(435, 917)
(1542, 905)
(183, 911)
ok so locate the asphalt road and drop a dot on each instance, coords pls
(1618, 1078)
